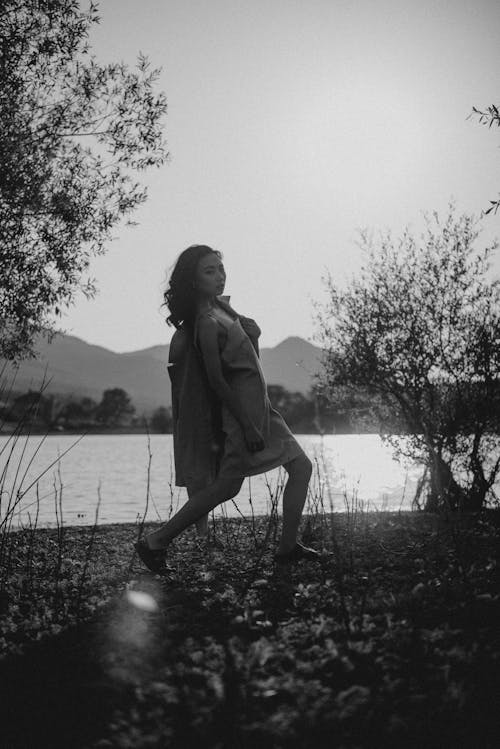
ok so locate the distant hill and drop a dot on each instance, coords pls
(77, 368)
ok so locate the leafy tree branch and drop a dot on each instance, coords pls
(75, 135)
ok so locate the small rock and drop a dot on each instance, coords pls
(418, 590)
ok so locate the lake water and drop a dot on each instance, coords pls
(347, 469)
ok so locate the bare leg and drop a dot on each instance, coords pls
(202, 527)
(294, 497)
(202, 523)
(195, 508)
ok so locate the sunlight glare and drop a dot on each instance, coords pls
(141, 600)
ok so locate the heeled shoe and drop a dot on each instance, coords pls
(296, 554)
(153, 559)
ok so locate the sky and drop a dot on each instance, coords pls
(292, 125)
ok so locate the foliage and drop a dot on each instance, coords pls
(161, 420)
(355, 409)
(490, 116)
(295, 408)
(39, 410)
(420, 330)
(395, 638)
(347, 410)
(115, 407)
(33, 406)
(78, 413)
(305, 414)
(74, 132)
(314, 414)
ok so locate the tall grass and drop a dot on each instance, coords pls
(19, 562)
(320, 528)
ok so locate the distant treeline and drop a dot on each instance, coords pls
(52, 412)
(305, 414)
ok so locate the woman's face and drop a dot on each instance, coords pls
(210, 276)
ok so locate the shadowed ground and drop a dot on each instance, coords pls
(391, 641)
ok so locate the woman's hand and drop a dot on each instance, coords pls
(253, 438)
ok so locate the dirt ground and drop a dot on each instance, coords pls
(391, 640)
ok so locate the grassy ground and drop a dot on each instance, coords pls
(392, 640)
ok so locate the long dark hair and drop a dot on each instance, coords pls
(180, 294)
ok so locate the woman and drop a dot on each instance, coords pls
(224, 426)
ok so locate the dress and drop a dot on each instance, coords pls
(242, 370)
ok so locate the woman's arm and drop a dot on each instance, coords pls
(208, 340)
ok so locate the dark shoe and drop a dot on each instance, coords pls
(296, 554)
(152, 558)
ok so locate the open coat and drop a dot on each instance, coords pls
(196, 409)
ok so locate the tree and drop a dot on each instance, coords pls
(490, 116)
(79, 413)
(353, 409)
(74, 133)
(36, 408)
(297, 409)
(115, 407)
(32, 408)
(161, 420)
(420, 329)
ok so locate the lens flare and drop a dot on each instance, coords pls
(141, 600)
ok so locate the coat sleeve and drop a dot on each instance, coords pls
(176, 355)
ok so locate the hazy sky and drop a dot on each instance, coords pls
(291, 124)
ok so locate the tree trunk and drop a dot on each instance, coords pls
(475, 499)
(444, 492)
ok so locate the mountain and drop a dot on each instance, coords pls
(292, 363)
(74, 367)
